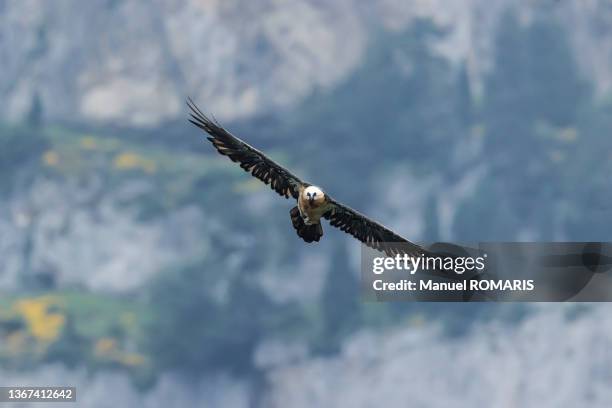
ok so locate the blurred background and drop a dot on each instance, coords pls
(146, 270)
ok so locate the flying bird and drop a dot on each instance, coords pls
(313, 203)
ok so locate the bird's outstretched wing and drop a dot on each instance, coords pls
(369, 232)
(250, 159)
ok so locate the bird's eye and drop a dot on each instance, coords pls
(314, 194)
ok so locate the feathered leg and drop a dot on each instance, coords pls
(308, 233)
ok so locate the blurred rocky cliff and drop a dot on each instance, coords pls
(133, 62)
(133, 257)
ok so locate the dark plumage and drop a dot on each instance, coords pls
(367, 231)
(250, 159)
(313, 204)
(308, 233)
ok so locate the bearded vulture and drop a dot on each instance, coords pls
(312, 203)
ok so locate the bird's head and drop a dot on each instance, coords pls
(314, 195)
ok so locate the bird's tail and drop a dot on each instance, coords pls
(308, 233)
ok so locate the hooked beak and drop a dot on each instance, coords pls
(310, 200)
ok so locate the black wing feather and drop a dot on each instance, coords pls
(371, 233)
(250, 159)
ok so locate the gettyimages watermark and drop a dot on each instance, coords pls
(507, 271)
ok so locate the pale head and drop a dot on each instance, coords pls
(313, 194)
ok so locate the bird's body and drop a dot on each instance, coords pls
(312, 203)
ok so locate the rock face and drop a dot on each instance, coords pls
(80, 235)
(215, 391)
(497, 365)
(134, 62)
(79, 232)
(551, 359)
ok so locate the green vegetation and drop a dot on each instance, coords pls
(203, 320)
(19, 145)
(339, 308)
(539, 150)
(71, 327)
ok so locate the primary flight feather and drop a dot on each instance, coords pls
(312, 203)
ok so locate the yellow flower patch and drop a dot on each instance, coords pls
(45, 326)
(88, 143)
(133, 161)
(50, 158)
(105, 347)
